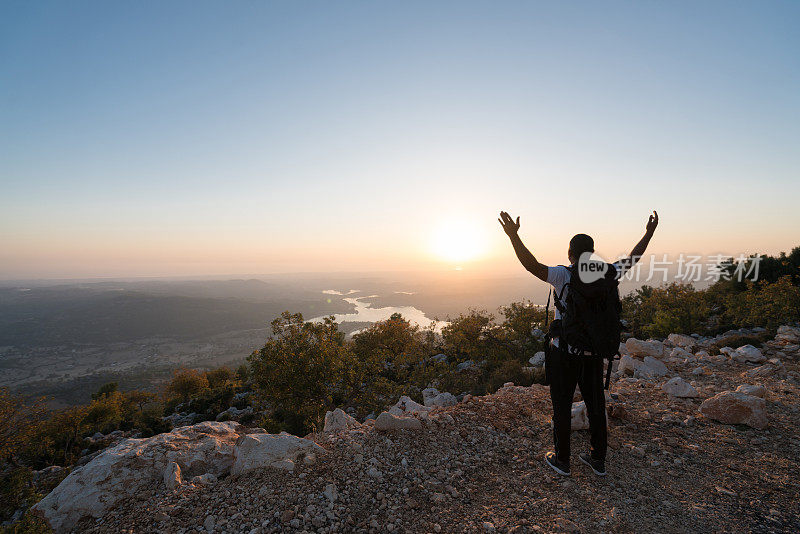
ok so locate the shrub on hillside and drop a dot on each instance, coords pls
(304, 369)
(186, 383)
(660, 311)
(765, 304)
(19, 422)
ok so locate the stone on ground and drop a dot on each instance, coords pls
(754, 390)
(338, 420)
(580, 418)
(649, 368)
(274, 450)
(406, 406)
(736, 408)
(678, 387)
(431, 397)
(387, 421)
(637, 347)
(746, 354)
(681, 340)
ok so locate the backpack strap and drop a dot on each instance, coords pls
(547, 309)
(558, 302)
(608, 371)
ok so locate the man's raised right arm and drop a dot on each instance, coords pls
(524, 255)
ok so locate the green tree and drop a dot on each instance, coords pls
(19, 422)
(765, 304)
(659, 311)
(187, 382)
(394, 358)
(220, 377)
(304, 369)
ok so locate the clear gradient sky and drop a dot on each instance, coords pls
(191, 138)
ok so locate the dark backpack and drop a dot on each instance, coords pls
(590, 316)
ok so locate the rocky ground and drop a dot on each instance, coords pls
(670, 468)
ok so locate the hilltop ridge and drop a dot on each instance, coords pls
(477, 465)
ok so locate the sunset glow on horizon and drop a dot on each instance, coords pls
(361, 137)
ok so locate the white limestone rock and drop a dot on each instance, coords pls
(442, 399)
(274, 450)
(338, 420)
(580, 418)
(735, 408)
(406, 406)
(747, 354)
(431, 397)
(639, 348)
(649, 368)
(680, 340)
(135, 465)
(537, 360)
(387, 422)
(678, 387)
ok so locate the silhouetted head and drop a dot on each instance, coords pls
(579, 244)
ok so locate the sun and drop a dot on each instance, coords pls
(458, 240)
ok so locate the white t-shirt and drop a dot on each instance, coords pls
(558, 277)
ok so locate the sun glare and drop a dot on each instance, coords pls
(458, 241)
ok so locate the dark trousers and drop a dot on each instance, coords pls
(586, 372)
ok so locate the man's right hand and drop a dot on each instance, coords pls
(509, 226)
(652, 222)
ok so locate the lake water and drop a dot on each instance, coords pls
(365, 313)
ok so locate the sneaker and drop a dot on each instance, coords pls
(598, 466)
(562, 468)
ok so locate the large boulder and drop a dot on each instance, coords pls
(678, 387)
(338, 420)
(733, 408)
(387, 422)
(136, 465)
(637, 347)
(273, 450)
